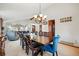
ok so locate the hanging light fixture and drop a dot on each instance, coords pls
(40, 18)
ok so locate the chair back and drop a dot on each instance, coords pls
(21, 35)
(11, 35)
(55, 42)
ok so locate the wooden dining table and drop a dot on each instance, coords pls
(36, 42)
(40, 39)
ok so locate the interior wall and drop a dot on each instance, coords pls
(45, 28)
(68, 31)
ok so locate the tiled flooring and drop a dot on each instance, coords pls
(65, 50)
(13, 48)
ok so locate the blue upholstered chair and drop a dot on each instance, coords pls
(52, 48)
(11, 35)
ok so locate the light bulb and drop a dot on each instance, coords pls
(41, 15)
(35, 16)
(39, 19)
(45, 16)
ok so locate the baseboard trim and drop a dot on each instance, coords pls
(69, 44)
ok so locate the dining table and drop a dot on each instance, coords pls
(38, 41)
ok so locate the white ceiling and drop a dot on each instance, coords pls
(20, 11)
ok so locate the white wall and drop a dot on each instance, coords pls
(69, 31)
(45, 28)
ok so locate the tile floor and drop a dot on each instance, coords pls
(13, 48)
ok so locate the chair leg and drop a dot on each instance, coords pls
(35, 53)
(56, 53)
(27, 50)
(20, 42)
(41, 53)
(32, 53)
(22, 45)
(53, 54)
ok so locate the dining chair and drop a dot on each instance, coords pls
(11, 35)
(52, 48)
(21, 37)
(28, 44)
(33, 46)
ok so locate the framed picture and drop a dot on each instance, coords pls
(65, 19)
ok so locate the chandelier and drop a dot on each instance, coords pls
(40, 18)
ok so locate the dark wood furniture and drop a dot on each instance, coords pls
(2, 41)
(41, 33)
(34, 46)
(40, 30)
(40, 41)
(33, 28)
(1, 25)
(51, 28)
(2, 46)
